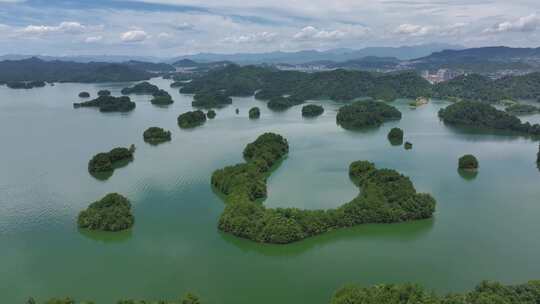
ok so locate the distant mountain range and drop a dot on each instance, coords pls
(337, 55)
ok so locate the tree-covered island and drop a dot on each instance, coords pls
(111, 213)
(395, 136)
(254, 113)
(468, 162)
(156, 135)
(191, 119)
(104, 93)
(25, 84)
(106, 161)
(161, 98)
(367, 113)
(522, 109)
(283, 103)
(84, 94)
(211, 114)
(483, 115)
(386, 197)
(312, 110)
(208, 100)
(141, 88)
(108, 104)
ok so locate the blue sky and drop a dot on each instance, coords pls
(167, 28)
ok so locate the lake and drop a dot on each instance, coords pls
(485, 227)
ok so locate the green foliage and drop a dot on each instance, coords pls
(208, 100)
(395, 136)
(109, 104)
(254, 113)
(104, 162)
(468, 162)
(189, 298)
(386, 197)
(484, 293)
(84, 94)
(161, 98)
(312, 110)
(156, 135)
(141, 88)
(111, 213)
(482, 115)
(211, 114)
(191, 119)
(104, 93)
(283, 103)
(369, 113)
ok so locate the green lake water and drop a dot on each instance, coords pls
(484, 228)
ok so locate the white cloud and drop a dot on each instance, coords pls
(313, 33)
(524, 24)
(164, 35)
(64, 27)
(93, 39)
(183, 26)
(134, 36)
(413, 30)
(262, 37)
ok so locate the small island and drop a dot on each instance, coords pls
(408, 145)
(468, 162)
(282, 103)
(367, 113)
(420, 101)
(191, 119)
(84, 95)
(104, 93)
(254, 113)
(162, 98)
(141, 88)
(522, 109)
(211, 114)
(312, 110)
(395, 136)
(108, 104)
(107, 161)
(484, 116)
(156, 135)
(111, 213)
(386, 197)
(211, 100)
(25, 84)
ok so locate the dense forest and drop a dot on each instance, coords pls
(191, 119)
(25, 84)
(156, 135)
(209, 100)
(312, 110)
(108, 104)
(386, 197)
(107, 161)
(141, 88)
(482, 115)
(363, 114)
(111, 213)
(34, 69)
(161, 98)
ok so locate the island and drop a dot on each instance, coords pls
(395, 136)
(141, 88)
(482, 115)
(191, 119)
(156, 135)
(408, 145)
(369, 113)
(111, 213)
(282, 103)
(107, 161)
(84, 94)
(25, 84)
(162, 98)
(312, 110)
(211, 114)
(108, 104)
(468, 162)
(522, 109)
(254, 113)
(386, 197)
(104, 93)
(420, 101)
(211, 100)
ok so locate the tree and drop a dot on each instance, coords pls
(312, 110)
(468, 162)
(254, 113)
(111, 213)
(395, 136)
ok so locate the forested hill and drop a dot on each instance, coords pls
(340, 85)
(34, 69)
(346, 85)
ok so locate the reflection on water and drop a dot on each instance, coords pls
(467, 174)
(107, 237)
